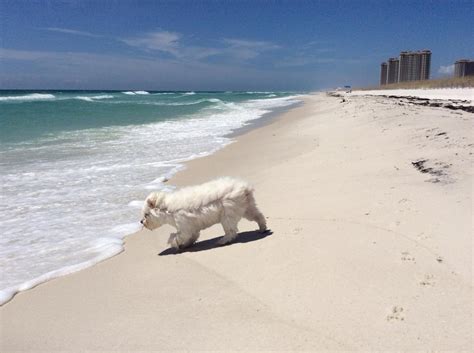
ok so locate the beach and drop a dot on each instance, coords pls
(369, 202)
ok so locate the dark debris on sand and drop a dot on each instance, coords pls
(451, 104)
(437, 170)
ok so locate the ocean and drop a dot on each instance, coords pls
(75, 167)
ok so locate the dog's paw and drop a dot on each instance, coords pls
(222, 241)
(173, 241)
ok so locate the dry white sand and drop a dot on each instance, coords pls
(367, 252)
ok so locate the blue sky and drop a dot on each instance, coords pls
(222, 45)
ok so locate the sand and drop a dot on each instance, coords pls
(370, 207)
(466, 94)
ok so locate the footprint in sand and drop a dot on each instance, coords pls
(397, 314)
(297, 230)
(423, 236)
(407, 257)
(428, 281)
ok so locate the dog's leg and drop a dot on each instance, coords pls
(188, 241)
(229, 220)
(195, 237)
(230, 230)
(252, 213)
(181, 240)
(173, 241)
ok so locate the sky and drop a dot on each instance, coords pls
(222, 45)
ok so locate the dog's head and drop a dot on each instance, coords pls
(152, 213)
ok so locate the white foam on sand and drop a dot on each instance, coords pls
(106, 249)
(435, 93)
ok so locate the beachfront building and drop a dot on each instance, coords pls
(383, 73)
(409, 66)
(415, 66)
(392, 70)
(464, 68)
(425, 64)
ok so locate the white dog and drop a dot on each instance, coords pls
(191, 209)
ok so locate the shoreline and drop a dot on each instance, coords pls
(359, 236)
(115, 248)
(265, 119)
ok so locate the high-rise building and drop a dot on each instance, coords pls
(425, 64)
(463, 68)
(409, 66)
(392, 70)
(414, 66)
(405, 63)
(383, 73)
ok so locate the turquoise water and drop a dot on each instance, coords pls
(29, 115)
(75, 167)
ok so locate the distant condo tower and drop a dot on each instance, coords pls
(410, 66)
(392, 71)
(415, 66)
(463, 68)
(383, 74)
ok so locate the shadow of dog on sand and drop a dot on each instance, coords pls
(244, 237)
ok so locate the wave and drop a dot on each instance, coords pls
(103, 96)
(210, 100)
(108, 248)
(138, 204)
(177, 104)
(91, 99)
(132, 93)
(29, 97)
(189, 93)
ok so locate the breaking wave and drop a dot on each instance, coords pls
(29, 97)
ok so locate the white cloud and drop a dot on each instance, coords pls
(159, 40)
(247, 49)
(258, 45)
(172, 43)
(446, 70)
(72, 31)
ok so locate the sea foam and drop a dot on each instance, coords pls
(93, 98)
(107, 247)
(136, 92)
(29, 97)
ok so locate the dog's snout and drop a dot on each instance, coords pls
(142, 221)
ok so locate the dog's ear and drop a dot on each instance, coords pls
(155, 200)
(151, 200)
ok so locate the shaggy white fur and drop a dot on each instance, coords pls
(191, 209)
